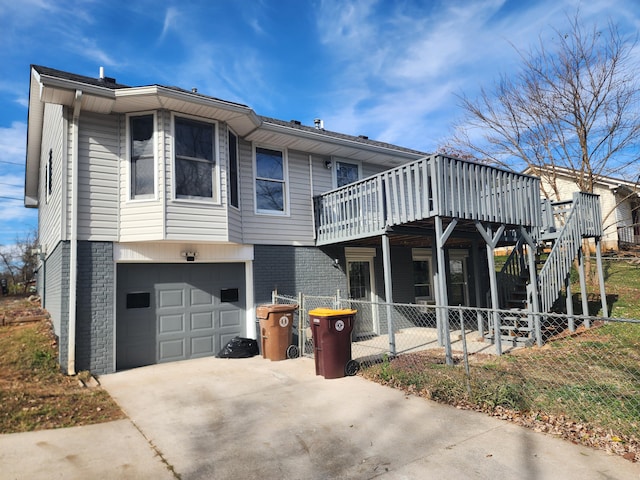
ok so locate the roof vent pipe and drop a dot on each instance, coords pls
(319, 123)
(101, 73)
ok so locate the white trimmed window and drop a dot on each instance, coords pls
(422, 275)
(346, 173)
(142, 156)
(195, 160)
(270, 185)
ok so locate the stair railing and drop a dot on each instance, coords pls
(581, 221)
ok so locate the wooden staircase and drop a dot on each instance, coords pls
(565, 224)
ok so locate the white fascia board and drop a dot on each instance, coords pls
(34, 139)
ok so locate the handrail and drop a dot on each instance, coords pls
(583, 220)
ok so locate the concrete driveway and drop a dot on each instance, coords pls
(256, 419)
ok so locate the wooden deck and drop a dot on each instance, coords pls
(429, 187)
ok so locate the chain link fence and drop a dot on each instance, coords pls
(580, 368)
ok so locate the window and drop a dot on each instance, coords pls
(233, 170)
(346, 173)
(49, 175)
(142, 157)
(270, 181)
(195, 161)
(422, 276)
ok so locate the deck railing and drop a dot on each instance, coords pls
(583, 220)
(434, 185)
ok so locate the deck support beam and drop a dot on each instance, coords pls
(492, 240)
(583, 287)
(475, 252)
(534, 294)
(442, 299)
(603, 293)
(388, 291)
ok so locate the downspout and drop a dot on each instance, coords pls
(73, 261)
(313, 206)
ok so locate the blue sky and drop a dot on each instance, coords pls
(390, 70)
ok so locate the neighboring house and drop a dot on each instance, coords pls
(619, 201)
(166, 216)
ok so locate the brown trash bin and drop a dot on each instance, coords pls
(331, 330)
(276, 331)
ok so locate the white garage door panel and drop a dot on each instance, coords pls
(230, 319)
(170, 324)
(172, 349)
(201, 321)
(171, 298)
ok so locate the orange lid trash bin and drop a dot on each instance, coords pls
(331, 330)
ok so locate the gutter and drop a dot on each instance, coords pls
(73, 262)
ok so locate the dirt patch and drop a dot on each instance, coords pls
(34, 393)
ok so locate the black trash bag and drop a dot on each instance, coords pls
(239, 347)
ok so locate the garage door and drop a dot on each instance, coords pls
(175, 312)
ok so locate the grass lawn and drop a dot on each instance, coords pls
(34, 394)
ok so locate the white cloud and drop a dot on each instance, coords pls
(170, 19)
(13, 143)
(396, 70)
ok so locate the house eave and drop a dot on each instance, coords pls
(240, 118)
(318, 142)
(35, 117)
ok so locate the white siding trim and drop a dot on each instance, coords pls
(165, 252)
(216, 177)
(250, 299)
(285, 174)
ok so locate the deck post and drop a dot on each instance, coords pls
(603, 293)
(475, 249)
(442, 313)
(388, 291)
(583, 287)
(491, 241)
(533, 284)
(569, 303)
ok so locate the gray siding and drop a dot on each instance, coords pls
(56, 296)
(99, 154)
(322, 176)
(95, 323)
(50, 219)
(55, 285)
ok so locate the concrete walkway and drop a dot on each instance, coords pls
(255, 419)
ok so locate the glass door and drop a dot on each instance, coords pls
(360, 282)
(458, 285)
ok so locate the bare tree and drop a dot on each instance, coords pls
(18, 262)
(574, 103)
